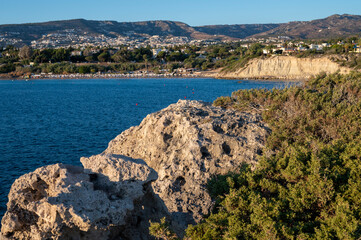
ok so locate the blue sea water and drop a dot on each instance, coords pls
(44, 122)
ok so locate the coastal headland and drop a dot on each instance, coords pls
(259, 164)
(196, 169)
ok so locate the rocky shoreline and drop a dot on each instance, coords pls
(159, 168)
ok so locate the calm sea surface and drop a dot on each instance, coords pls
(44, 122)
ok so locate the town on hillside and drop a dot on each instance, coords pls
(157, 56)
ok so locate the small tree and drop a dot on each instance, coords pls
(104, 56)
(89, 58)
(161, 55)
(84, 69)
(161, 230)
(255, 49)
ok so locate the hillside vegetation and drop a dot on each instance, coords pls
(307, 185)
(330, 27)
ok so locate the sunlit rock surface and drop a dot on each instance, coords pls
(159, 168)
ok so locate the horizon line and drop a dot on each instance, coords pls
(73, 19)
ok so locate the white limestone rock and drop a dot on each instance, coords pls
(65, 202)
(187, 143)
(117, 192)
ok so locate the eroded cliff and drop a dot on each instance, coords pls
(285, 67)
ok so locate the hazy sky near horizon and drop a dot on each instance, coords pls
(192, 12)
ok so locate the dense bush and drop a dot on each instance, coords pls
(307, 185)
(233, 64)
(6, 68)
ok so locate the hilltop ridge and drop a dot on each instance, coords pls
(332, 26)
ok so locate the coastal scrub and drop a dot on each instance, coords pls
(307, 183)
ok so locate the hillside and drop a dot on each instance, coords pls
(34, 31)
(330, 27)
(237, 30)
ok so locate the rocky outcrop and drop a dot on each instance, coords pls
(159, 168)
(67, 202)
(187, 143)
(285, 67)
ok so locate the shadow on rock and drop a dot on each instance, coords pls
(69, 202)
(159, 168)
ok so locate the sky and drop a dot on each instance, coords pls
(192, 12)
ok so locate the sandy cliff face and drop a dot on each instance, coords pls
(285, 67)
(159, 168)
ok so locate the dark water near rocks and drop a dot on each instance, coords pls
(44, 122)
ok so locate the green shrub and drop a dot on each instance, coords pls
(309, 186)
(6, 68)
(161, 230)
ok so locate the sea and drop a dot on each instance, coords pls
(45, 122)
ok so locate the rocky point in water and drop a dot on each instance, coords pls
(159, 168)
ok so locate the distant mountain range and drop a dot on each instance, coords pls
(330, 27)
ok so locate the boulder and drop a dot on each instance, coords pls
(67, 202)
(188, 143)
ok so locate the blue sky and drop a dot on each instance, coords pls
(192, 12)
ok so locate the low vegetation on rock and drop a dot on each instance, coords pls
(307, 185)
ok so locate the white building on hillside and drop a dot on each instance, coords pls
(76, 53)
(316, 47)
(156, 51)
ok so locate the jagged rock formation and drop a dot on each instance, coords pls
(187, 143)
(117, 192)
(65, 202)
(285, 67)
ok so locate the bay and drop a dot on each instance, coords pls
(44, 122)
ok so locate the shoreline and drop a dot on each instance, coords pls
(139, 76)
(147, 75)
(101, 76)
(269, 79)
